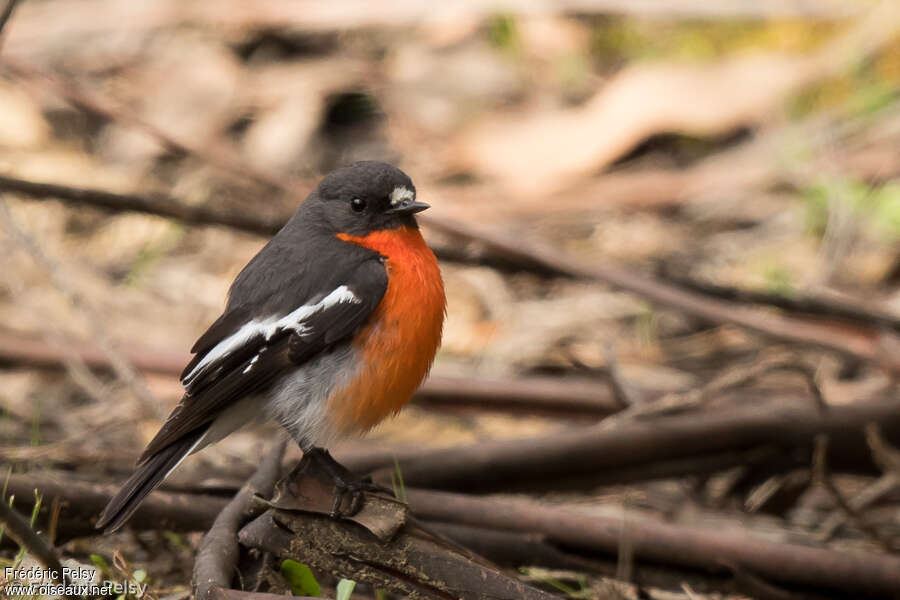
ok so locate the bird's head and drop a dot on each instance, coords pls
(364, 197)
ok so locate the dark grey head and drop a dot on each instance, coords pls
(364, 197)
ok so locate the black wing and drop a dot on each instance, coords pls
(256, 353)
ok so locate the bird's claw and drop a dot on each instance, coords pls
(346, 485)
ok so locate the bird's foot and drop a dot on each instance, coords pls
(348, 487)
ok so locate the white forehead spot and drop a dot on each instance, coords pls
(400, 194)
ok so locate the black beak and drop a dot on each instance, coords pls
(408, 207)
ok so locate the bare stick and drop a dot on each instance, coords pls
(861, 341)
(598, 451)
(218, 553)
(19, 530)
(820, 305)
(820, 470)
(620, 388)
(855, 573)
(154, 204)
(80, 503)
(377, 545)
(869, 495)
(574, 395)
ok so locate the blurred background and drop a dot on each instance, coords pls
(745, 153)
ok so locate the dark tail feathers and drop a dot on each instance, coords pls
(144, 480)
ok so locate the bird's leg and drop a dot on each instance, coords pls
(345, 483)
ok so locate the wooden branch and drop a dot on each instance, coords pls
(152, 204)
(822, 476)
(17, 528)
(568, 395)
(596, 450)
(81, 503)
(855, 573)
(572, 396)
(853, 310)
(217, 556)
(377, 546)
(517, 549)
(859, 340)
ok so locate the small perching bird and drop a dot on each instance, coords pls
(329, 329)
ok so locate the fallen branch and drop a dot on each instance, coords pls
(818, 306)
(517, 550)
(856, 573)
(822, 476)
(172, 208)
(80, 503)
(548, 394)
(17, 528)
(857, 340)
(217, 556)
(597, 451)
(153, 204)
(377, 546)
(869, 495)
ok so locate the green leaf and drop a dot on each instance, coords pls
(345, 589)
(503, 33)
(100, 562)
(139, 576)
(175, 540)
(300, 578)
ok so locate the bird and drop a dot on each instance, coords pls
(329, 329)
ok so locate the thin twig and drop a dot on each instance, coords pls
(19, 530)
(553, 395)
(621, 453)
(820, 470)
(153, 204)
(818, 305)
(854, 573)
(620, 388)
(775, 360)
(81, 502)
(886, 456)
(868, 496)
(859, 340)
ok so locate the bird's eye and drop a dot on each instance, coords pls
(358, 204)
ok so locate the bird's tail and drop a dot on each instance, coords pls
(145, 479)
